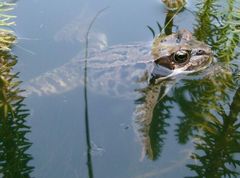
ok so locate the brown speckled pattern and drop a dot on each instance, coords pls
(164, 48)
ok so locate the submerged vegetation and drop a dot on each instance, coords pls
(14, 159)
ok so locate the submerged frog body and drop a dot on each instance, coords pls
(116, 69)
(112, 71)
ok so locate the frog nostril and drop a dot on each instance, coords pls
(200, 52)
(181, 56)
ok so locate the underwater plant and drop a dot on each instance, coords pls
(14, 159)
(7, 37)
(218, 26)
(215, 127)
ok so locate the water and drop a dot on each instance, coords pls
(199, 115)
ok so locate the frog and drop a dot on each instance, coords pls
(114, 70)
(128, 71)
(173, 55)
(179, 52)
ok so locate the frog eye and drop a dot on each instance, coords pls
(181, 56)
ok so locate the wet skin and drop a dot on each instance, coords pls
(180, 51)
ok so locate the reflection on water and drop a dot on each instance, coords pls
(216, 130)
(152, 116)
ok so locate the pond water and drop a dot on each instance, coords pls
(194, 129)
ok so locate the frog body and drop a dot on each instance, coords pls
(115, 69)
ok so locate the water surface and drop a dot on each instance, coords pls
(194, 110)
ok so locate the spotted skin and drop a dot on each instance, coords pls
(165, 47)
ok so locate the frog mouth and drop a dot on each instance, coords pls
(161, 73)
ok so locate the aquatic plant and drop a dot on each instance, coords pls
(86, 115)
(228, 33)
(205, 121)
(5, 19)
(215, 127)
(168, 24)
(7, 37)
(14, 159)
(218, 26)
(174, 4)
